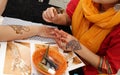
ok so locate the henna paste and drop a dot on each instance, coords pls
(19, 29)
(73, 45)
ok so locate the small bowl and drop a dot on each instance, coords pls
(55, 55)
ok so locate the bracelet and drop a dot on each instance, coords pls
(100, 65)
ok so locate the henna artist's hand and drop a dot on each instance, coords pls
(57, 16)
(66, 41)
(50, 14)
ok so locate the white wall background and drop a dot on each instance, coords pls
(60, 3)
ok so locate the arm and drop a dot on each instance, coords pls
(109, 60)
(88, 56)
(2, 6)
(109, 53)
(15, 32)
(52, 16)
(70, 43)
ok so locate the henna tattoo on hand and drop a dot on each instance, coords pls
(73, 45)
(20, 29)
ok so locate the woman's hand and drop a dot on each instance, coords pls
(56, 16)
(50, 15)
(66, 41)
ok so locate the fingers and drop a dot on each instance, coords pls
(49, 14)
(61, 33)
(60, 43)
(45, 17)
(60, 40)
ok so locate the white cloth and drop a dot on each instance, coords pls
(16, 21)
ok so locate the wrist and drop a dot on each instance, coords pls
(35, 30)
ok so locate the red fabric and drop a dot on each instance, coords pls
(71, 7)
(110, 48)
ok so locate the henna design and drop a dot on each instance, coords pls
(19, 29)
(73, 45)
(18, 62)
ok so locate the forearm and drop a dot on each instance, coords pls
(8, 33)
(89, 56)
(2, 6)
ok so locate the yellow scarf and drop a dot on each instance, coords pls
(102, 23)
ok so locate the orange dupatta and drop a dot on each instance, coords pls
(92, 36)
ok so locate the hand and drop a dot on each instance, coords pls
(50, 14)
(45, 31)
(66, 41)
(55, 15)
